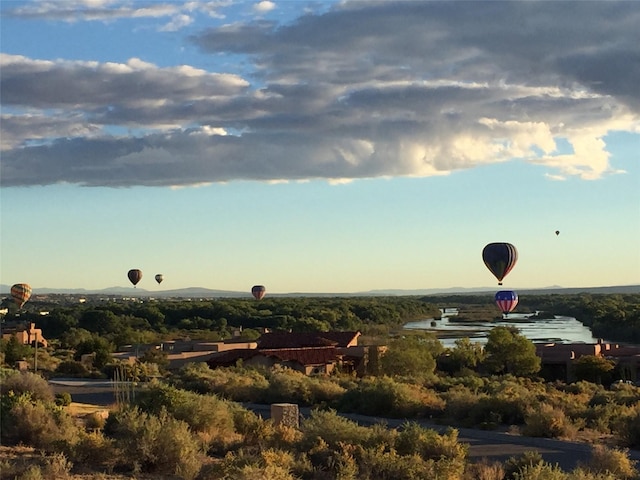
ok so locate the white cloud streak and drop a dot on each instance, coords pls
(369, 89)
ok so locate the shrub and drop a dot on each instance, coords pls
(484, 471)
(515, 465)
(206, 414)
(385, 396)
(605, 418)
(96, 450)
(265, 465)
(34, 467)
(286, 385)
(95, 421)
(540, 471)
(583, 474)
(155, 444)
(72, 368)
(459, 402)
(57, 466)
(22, 382)
(238, 384)
(63, 399)
(416, 440)
(375, 464)
(490, 411)
(33, 472)
(37, 424)
(616, 462)
(627, 427)
(547, 421)
(332, 429)
(257, 431)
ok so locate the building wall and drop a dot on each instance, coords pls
(27, 336)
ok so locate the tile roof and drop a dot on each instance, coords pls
(304, 356)
(230, 357)
(306, 339)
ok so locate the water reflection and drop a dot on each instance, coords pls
(559, 329)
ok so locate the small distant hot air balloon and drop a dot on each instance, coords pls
(159, 278)
(500, 258)
(258, 291)
(134, 276)
(506, 300)
(20, 293)
(557, 232)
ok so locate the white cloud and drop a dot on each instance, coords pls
(264, 6)
(368, 89)
(73, 11)
(177, 22)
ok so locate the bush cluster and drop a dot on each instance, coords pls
(170, 432)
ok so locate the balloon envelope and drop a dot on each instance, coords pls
(500, 258)
(134, 276)
(557, 232)
(506, 300)
(258, 291)
(159, 278)
(20, 293)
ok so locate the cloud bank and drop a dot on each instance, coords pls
(367, 89)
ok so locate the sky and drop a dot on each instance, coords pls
(316, 146)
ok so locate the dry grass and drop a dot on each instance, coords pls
(83, 409)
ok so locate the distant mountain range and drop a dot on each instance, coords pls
(200, 292)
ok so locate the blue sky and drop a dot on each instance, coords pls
(318, 146)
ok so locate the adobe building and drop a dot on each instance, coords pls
(312, 353)
(26, 334)
(557, 358)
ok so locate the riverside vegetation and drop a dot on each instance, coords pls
(189, 424)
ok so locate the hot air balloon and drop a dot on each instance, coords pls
(258, 291)
(506, 300)
(20, 293)
(557, 232)
(500, 258)
(159, 278)
(134, 276)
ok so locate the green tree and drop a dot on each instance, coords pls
(466, 355)
(100, 321)
(58, 322)
(593, 368)
(509, 352)
(413, 355)
(14, 350)
(98, 345)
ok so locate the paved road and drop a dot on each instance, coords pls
(494, 446)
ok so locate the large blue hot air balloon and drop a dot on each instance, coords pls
(499, 258)
(506, 300)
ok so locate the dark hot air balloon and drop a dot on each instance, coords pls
(134, 276)
(506, 300)
(258, 291)
(499, 258)
(159, 277)
(20, 293)
(557, 232)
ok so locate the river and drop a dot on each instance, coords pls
(559, 329)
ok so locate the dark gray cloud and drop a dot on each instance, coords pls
(367, 89)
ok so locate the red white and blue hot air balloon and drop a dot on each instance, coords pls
(506, 300)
